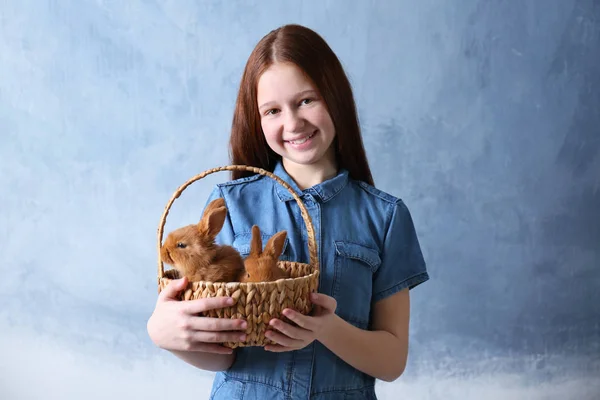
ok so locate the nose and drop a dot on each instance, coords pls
(294, 122)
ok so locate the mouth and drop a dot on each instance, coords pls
(166, 256)
(302, 140)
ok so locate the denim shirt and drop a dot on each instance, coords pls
(368, 250)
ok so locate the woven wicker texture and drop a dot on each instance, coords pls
(257, 303)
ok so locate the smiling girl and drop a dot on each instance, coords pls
(295, 116)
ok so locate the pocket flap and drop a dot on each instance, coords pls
(360, 252)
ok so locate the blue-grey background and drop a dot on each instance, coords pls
(484, 116)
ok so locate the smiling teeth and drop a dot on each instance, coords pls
(302, 140)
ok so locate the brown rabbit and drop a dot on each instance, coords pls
(261, 266)
(193, 252)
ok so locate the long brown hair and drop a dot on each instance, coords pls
(308, 50)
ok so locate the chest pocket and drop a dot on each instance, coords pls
(242, 243)
(354, 266)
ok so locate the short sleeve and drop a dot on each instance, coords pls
(226, 235)
(402, 263)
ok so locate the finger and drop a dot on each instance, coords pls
(327, 302)
(216, 324)
(290, 331)
(283, 339)
(171, 291)
(275, 348)
(209, 303)
(218, 337)
(302, 321)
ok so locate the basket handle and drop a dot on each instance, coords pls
(312, 242)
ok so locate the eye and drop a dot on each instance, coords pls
(306, 101)
(181, 245)
(272, 111)
(248, 276)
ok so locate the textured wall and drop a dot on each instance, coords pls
(484, 116)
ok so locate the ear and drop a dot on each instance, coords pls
(256, 243)
(216, 203)
(212, 222)
(275, 244)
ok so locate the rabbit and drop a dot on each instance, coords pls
(192, 250)
(261, 266)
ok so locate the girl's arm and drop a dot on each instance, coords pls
(175, 326)
(382, 352)
(206, 361)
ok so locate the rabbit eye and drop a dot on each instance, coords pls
(181, 245)
(248, 275)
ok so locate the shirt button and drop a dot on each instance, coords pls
(308, 200)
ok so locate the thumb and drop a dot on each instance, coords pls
(171, 291)
(326, 302)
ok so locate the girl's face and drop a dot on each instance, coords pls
(294, 117)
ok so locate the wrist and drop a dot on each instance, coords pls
(330, 326)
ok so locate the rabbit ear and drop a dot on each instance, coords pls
(216, 203)
(212, 221)
(208, 220)
(275, 244)
(256, 243)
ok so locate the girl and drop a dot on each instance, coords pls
(295, 116)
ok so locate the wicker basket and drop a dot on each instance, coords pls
(257, 303)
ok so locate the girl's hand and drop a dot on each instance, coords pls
(309, 328)
(174, 325)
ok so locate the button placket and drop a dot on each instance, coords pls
(303, 365)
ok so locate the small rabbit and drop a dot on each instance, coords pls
(261, 266)
(193, 252)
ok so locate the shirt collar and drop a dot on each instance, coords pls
(323, 191)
